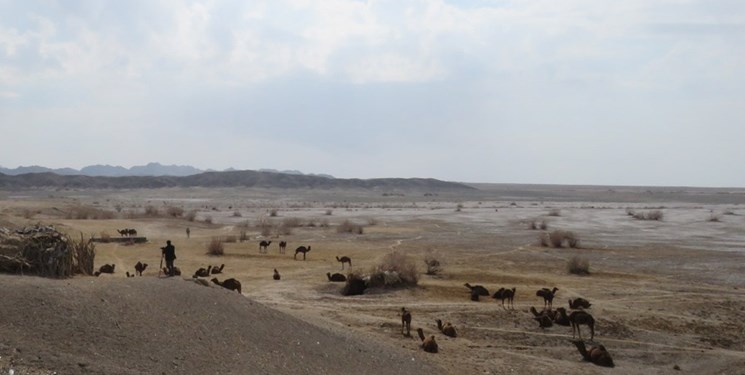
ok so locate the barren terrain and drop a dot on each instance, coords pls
(665, 294)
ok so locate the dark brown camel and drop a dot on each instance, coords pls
(548, 296)
(301, 249)
(447, 329)
(428, 344)
(216, 270)
(123, 232)
(282, 246)
(263, 245)
(276, 275)
(337, 277)
(506, 294)
(231, 284)
(405, 322)
(597, 354)
(578, 318)
(106, 268)
(140, 268)
(579, 303)
(176, 271)
(561, 317)
(202, 272)
(343, 260)
(476, 291)
(544, 318)
(129, 274)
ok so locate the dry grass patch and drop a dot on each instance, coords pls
(656, 215)
(216, 246)
(349, 227)
(394, 270)
(578, 266)
(559, 238)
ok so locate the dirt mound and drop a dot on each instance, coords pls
(149, 325)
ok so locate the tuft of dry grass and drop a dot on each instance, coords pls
(578, 266)
(237, 213)
(216, 246)
(554, 212)
(349, 227)
(434, 266)
(649, 215)
(191, 215)
(558, 238)
(173, 211)
(538, 225)
(88, 213)
(395, 270)
(230, 239)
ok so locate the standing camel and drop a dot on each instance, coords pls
(343, 260)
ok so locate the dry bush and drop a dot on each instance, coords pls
(558, 238)
(459, 207)
(283, 230)
(311, 223)
(715, 218)
(349, 227)
(208, 219)
(554, 212)
(649, 215)
(372, 222)
(244, 236)
(230, 239)
(118, 207)
(273, 212)
(578, 266)
(329, 212)
(191, 215)
(433, 264)
(237, 213)
(538, 225)
(151, 211)
(105, 236)
(28, 214)
(630, 212)
(324, 223)
(292, 222)
(173, 211)
(83, 255)
(215, 247)
(354, 286)
(394, 270)
(265, 226)
(88, 213)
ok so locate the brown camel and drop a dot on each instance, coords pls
(447, 329)
(216, 270)
(548, 296)
(578, 318)
(282, 246)
(263, 245)
(337, 277)
(405, 322)
(106, 268)
(129, 274)
(597, 354)
(202, 272)
(176, 271)
(276, 275)
(476, 291)
(428, 344)
(231, 284)
(579, 303)
(506, 294)
(140, 268)
(544, 318)
(301, 249)
(343, 260)
(561, 317)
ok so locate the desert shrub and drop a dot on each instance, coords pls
(729, 212)
(191, 215)
(349, 227)
(215, 247)
(151, 211)
(630, 212)
(649, 215)
(554, 212)
(291, 222)
(578, 266)
(230, 239)
(558, 238)
(243, 236)
(88, 213)
(283, 230)
(394, 270)
(105, 236)
(208, 219)
(237, 213)
(459, 207)
(354, 286)
(174, 211)
(329, 212)
(715, 218)
(311, 223)
(538, 225)
(433, 265)
(324, 223)
(273, 212)
(372, 222)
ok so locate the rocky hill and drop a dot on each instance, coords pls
(223, 179)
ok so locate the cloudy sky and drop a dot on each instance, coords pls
(633, 92)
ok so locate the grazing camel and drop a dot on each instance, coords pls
(343, 260)
(548, 296)
(301, 249)
(140, 268)
(597, 354)
(506, 294)
(579, 303)
(231, 284)
(447, 329)
(282, 246)
(176, 271)
(337, 277)
(123, 232)
(263, 245)
(476, 291)
(561, 317)
(405, 322)
(577, 318)
(276, 275)
(202, 272)
(106, 268)
(428, 344)
(216, 270)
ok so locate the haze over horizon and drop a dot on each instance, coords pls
(581, 92)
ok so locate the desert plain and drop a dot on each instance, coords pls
(668, 296)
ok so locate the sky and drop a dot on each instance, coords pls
(601, 92)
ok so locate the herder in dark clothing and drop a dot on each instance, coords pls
(169, 252)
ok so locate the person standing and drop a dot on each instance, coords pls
(169, 253)
(188, 232)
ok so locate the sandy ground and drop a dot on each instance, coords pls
(666, 294)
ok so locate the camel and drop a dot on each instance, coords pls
(405, 322)
(428, 344)
(476, 291)
(301, 249)
(580, 317)
(276, 275)
(176, 271)
(202, 272)
(140, 267)
(548, 296)
(123, 232)
(343, 260)
(263, 245)
(579, 303)
(216, 270)
(129, 274)
(597, 354)
(447, 329)
(545, 318)
(561, 317)
(337, 277)
(506, 294)
(282, 246)
(132, 232)
(106, 268)
(231, 284)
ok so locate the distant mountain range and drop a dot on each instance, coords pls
(151, 169)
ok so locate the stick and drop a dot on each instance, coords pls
(161, 264)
